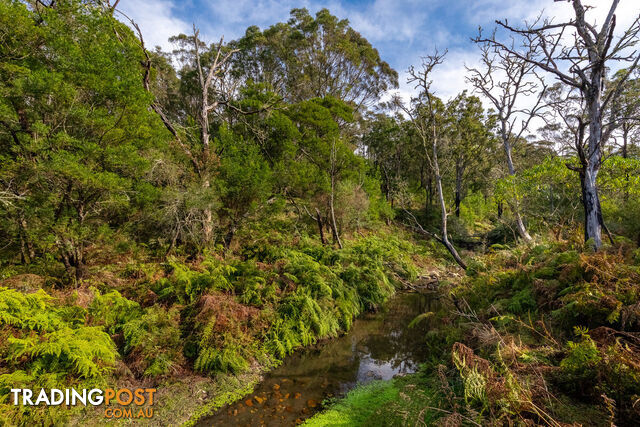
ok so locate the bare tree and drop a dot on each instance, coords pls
(577, 53)
(424, 116)
(213, 79)
(505, 79)
(567, 129)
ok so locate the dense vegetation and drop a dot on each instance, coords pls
(194, 216)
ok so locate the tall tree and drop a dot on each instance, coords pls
(427, 116)
(578, 53)
(74, 125)
(309, 57)
(507, 81)
(469, 142)
(625, 110)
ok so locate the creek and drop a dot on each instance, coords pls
(379, 346)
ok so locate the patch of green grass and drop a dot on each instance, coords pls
(358, 408)
(398, 402)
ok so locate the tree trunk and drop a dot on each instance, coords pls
(515, 208)
(24, 258)
(207, 226)
(522, 230)
(499, 209)
(591, 200)
(334, 227)
(26, 247)
(320, 227)
(81, 270)
(458, 197)
(427, 202)
(625, 154)
(443, 208)
(228, 238)
(593, 228)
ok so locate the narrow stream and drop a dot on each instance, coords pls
(378, 346)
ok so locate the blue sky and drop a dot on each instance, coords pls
(402, 30)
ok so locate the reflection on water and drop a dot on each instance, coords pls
(378, 346)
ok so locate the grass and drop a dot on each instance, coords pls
(408, 400)
(359, 407)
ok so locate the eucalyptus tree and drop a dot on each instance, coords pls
(470, 143)
(389, 144)
(309, 57)
(625, 111)
(428, 117)
(323, 159)
(578, 53)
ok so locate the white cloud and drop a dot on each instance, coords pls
(157, 20)
(403, 30)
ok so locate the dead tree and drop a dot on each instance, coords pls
(424, 116)
(505, 79)
(581, 63)
(567, 108)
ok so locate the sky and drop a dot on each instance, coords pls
(403, 31)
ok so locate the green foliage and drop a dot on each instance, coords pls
(224, 360)
(45, 344)
(332, 287)
(29, 311)
(186, 285)
(579, 366)
(61, 344)
(522, 302)
(86, 351)
(296, 57)
(80, 122)
(359, 407)
(113, 310)
(153, 342)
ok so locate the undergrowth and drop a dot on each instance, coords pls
(550, 333)
(221, 313)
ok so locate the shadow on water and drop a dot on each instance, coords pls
(378, 346)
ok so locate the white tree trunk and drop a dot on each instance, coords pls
(515, 208)
(443, 207)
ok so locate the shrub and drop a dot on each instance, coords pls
(579, 367)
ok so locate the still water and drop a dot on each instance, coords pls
(378, 346)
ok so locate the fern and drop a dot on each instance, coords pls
(86, 351)
(28, 311)
(153, 341)
(224, 360)
(113, 310)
